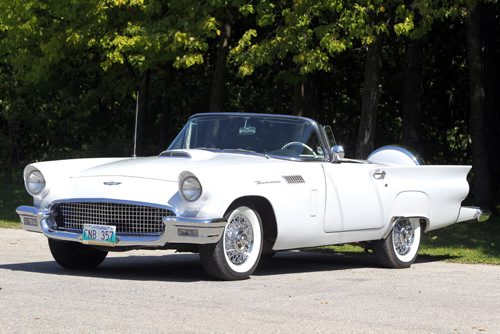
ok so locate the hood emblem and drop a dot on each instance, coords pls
(111, 183)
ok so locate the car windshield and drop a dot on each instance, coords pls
(277, 136)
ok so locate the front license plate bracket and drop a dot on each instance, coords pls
(103, 235)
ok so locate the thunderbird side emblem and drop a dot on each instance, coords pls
(111, 183)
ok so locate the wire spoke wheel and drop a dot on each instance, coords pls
(238, 240)
(399, 249)
(238, 252)
(403, 237)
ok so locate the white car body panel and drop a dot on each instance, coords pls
(337, 203)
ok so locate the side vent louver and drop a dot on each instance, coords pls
(294, 179)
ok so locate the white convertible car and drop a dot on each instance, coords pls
(236, 187)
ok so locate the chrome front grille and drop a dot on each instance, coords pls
(129, 219)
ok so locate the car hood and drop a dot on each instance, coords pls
(166, 168)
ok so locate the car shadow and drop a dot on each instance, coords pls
(186, 267)
(434, 258)
(173, 267)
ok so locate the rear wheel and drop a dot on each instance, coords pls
(238, 252)
(399, 249)
(73, 255)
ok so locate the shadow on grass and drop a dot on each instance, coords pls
(425, 258)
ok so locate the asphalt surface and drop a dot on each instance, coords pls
(298, 292)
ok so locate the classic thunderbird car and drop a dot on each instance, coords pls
(236, 187)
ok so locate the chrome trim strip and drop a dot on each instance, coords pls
(204, 231)
(111, 200)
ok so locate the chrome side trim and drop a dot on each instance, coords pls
(177, 230)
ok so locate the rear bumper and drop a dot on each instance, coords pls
(177, 230)
(472, 214)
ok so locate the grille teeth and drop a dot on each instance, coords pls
(129, 219)
(294, 179)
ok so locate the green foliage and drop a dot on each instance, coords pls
(311, 34)
(68, 73)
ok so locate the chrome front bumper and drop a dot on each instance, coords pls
(177, 230)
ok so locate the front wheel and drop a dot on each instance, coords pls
(399, 249)
(238, 251)
(73, 255)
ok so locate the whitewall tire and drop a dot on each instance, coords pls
(399, 249)
(238, 252)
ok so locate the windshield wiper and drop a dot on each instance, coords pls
(243, 151)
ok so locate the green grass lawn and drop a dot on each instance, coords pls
(11, 196)
(464, 243)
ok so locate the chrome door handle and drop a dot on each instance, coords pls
(379, 175)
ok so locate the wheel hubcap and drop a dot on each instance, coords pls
(238, 239)
(403, 236)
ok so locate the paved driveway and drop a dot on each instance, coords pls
(159, 291)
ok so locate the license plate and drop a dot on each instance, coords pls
(99, 234)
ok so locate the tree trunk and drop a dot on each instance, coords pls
(412, 94)
(482, 182)
(299, 99)
(143, 105)
(490, 31)
(218, 92)
(305, 97)
(14, 150)
(166, 123)
(370, 99)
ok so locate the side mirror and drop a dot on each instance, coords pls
(338, 152)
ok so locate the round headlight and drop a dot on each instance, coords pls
(189, 187)
(35, 183)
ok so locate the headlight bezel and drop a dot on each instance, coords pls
(188, 182)
(35, 182)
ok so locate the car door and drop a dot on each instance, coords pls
(352, 198)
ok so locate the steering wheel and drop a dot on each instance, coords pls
(298, 143)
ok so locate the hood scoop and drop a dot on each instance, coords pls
(175, 154)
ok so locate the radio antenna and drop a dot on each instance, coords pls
(135, 127)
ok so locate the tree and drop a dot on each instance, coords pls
(370, 99)
(482, 184)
